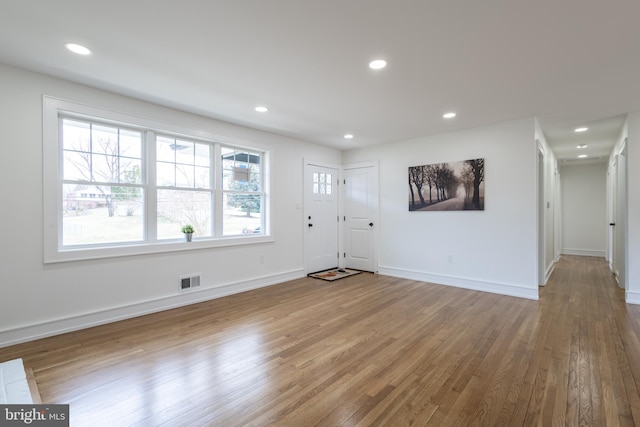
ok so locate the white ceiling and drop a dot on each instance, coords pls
(570, 63)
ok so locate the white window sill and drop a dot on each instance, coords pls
(80, 254)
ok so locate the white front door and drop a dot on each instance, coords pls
(360, 219)
(321, 217)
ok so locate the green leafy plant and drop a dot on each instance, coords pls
(187, 229)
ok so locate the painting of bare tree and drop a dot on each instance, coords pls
(453, 186)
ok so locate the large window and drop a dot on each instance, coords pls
(118, 185)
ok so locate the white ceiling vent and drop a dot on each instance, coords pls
(189, 281)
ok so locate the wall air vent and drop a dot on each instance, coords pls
(189, 281)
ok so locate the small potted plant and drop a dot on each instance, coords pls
(188, 232)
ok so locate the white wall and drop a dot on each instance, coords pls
(493, 250)
(584, 219)
(38, 300)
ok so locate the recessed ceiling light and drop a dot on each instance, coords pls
(78, 49)
(348, 136)
(582, 146)
(377, 64)
(581, 129)
(261, 109)
(582, 156)
(450, 115)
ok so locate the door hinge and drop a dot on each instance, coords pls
(344, 218)
(344, 181)
(344, 255)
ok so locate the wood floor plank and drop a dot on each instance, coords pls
(366, 350)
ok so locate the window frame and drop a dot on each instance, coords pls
(53, 156)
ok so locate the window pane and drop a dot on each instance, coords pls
(104, 139)
(254, 183)
(105, 168)
(203, 177)
(185, 176)
(76, 135)
(130, 143)
(228, 183)
(96, 153)
(203, 155)
(183, 156)
(241, 170)
(242, 214)
(76, 165)
(101, 215)
(166, 174)
(177, 208)
(164, 149)
(184, 152)
(130, 171)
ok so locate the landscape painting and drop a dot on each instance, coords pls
(453, 186)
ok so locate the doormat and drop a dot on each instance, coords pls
(334, 274)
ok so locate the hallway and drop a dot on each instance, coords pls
(591, 348)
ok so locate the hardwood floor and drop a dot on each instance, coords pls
(366, 350)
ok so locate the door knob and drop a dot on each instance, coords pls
(370, 224)
(310, 225)
(613, 224)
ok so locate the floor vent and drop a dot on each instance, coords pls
(188, 282)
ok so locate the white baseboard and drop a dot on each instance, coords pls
(632, 297)
(549, 272)
(584, 252)
(458, 282)
(73, 323)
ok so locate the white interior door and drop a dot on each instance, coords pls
(360, 219)
(542, 270)
(321, 217)
(621, 219)
(613, 185)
